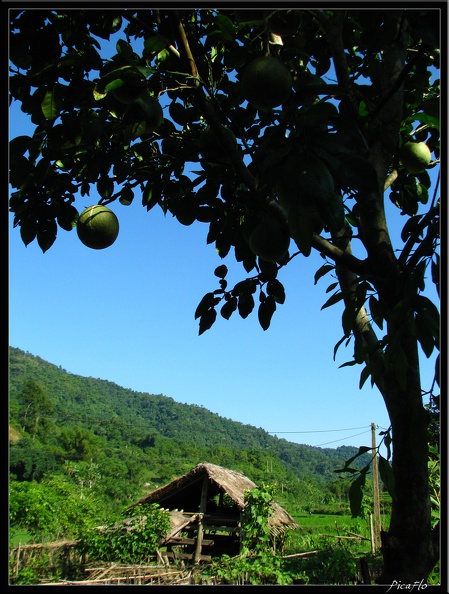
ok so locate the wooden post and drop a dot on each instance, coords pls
(376, 499)
(199, 539)
(203, 502)
(373, 548)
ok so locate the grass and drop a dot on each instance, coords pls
(336, 560)
(319, 530)
(21, 537)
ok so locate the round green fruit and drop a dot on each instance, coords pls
(266, 83)
(415, 156)
(97, 227)
(210, 146)
(270, 240)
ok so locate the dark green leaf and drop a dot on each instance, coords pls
(386, 475)
(245, 286)
(105, 187)
(319, 113)
(331, 287)
(427, 324)
(67, 217)
(185, 209)
(336, 297)
(151, 195)
(376, 311)
(28, 231)
(207, 320)
(387, 442)
(356, 495)
(364, 376)
(124, 48)
(322, 271)
(178, 113)
(221, 271)
(266, 311)
(424, 118)
(268, 270)
(126, 196)
(424, 335)
(229, 308)
(19, 146)
(362, 450)
(223, 245)
(207, 302)
(50, 107)
(301, 229)
(349, 469)
(155, 44)
(435, 270)
(276, 289)
(226, 26)
(348, 317)
(410, 227)
(339, 343)
(245, 304)
(46, 234)
(348, 364)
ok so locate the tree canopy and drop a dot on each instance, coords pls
(284, 131)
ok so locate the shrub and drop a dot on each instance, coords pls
(130, 540)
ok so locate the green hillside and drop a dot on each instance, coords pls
(139, 441)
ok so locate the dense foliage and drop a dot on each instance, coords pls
(259, 561)
(314, 112)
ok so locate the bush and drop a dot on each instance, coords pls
(130, 540)
(331, 565)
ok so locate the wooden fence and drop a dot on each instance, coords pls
(64, 555)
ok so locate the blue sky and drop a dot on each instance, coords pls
(126, 314)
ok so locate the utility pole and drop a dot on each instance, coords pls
(376, 523)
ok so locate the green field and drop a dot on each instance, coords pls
(317, 531)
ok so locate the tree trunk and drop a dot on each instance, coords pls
(408, 547)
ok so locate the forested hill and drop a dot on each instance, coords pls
(127, 418)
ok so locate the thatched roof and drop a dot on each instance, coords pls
(183, 493)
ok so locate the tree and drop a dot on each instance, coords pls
(80, 443)
(51, 509)
(311, 165)
(35, 403)
(28, 462)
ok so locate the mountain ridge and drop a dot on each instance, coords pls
(104, 407)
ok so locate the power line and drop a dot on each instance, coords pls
(347, 437)
(320, 431)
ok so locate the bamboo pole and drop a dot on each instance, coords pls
(376, 524)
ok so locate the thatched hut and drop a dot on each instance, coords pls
(206, 507)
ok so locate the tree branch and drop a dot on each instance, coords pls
(332, 27)
(362, 328)
(206, 105)
(340, 256)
